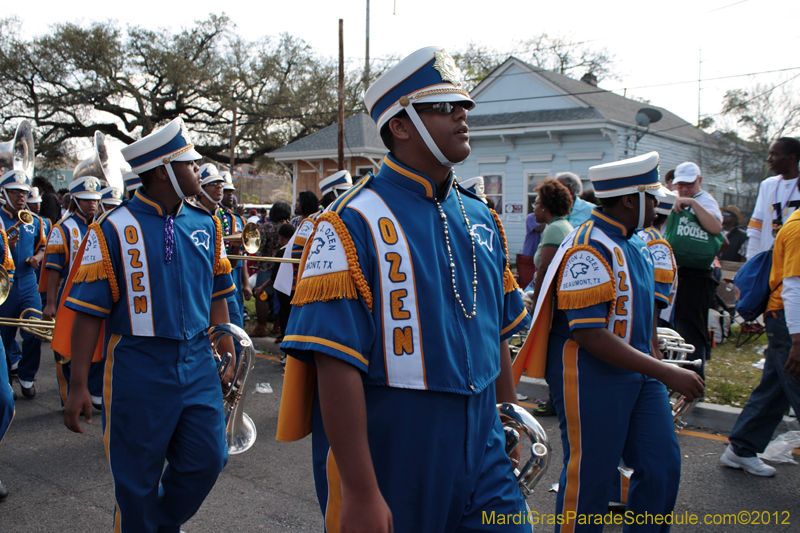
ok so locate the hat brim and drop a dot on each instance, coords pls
(685, 179)
(86, 195)
(17, 185)
(658, 193)
(188, 155)
(36, 200)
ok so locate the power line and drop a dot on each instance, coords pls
(725, 7)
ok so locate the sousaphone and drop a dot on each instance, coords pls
(18, 153)
(106, 163)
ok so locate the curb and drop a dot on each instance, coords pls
(705, 415)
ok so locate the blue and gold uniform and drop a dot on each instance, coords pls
(24, 292)
(6, 393)
(233, 223)
(62, 246)
(153, 276)
(375, 291)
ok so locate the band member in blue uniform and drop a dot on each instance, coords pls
(132, 182)
(6, 393)
(233, 223)
(27, 242)
(404, 304)
(62, 247)
(154, 270)
(666, 268)
(110, 197)
(599, 354)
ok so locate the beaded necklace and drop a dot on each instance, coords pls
(443, 216)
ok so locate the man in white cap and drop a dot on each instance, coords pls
(404, 303)
(601, 352)
(62, 246)
(696, 286)
(154, 272)
(27, 242)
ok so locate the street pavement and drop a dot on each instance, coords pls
(59, 481)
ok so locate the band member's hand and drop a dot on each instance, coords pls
(684, 381)
(12, 241)
(49, 312)
(793, 364)
(247, 293)
(77, 401)
(33, 262)
(369, 514)
(229, 374)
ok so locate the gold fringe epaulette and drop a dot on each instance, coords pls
(8, 261)
(348, 284)
(582, 298)
(100, 270)
(509, 283)
(221, 264)
(56, 249)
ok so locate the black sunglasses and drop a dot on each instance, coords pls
(445, 108)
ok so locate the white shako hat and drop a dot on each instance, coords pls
(474, 185)
(162, 147)
(335, 182)
(228, 179)
(629, 176)
(428, 75)
(85, 188)
(131, 180)
(15, 179)
(111, 195)
(209, 174)
(666, 204)
(35, 197)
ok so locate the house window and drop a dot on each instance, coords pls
(362, 171)
(533, 179)
(493, 187)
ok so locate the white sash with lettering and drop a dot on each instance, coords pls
(74, 238)
(137, 276)
(402, 342)
(624, 304)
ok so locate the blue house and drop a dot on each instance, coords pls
(531, 123)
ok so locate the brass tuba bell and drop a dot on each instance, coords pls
(18, 153)
(517, 422)
(250, 237)
(106, 163)
(240, 430)
(24, 217)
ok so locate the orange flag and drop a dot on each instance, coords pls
(62, 334)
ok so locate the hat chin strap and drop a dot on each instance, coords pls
(215, 202)
(423, 131)
(641, 211)
(174, 181)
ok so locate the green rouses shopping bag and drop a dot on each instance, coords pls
(693, 246)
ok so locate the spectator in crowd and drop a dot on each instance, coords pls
(533, 236)
(63, 198)
(669, 180)
(552, 208)
(270, 244)
(695, 286)
(780, 381)
(50, 207)
(307, 204)
(581, 209)
(253, 217)
(778, 196)
(590, 196)
(737, 238)
(262, 214)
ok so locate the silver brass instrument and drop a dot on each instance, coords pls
(676, 351)
(18, 153)
(240, 430)
(266, 259)
(250, 237)
(106, 163)
(516, 422)
(23, 217)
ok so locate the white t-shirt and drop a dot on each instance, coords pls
(777, 200)
(709, 204)
(254, 219)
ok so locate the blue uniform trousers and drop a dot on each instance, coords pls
(439, 459)
(235, 300)
(772, 397)
(607, 413)
(162, 401)
(6, 400)
(31, 344)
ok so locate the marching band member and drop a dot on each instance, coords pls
(132, 182)
(27, 243)
(404, 305)
(602, 351)
(62, 247)
(666, 267)
(233, 223)
(6, 392)
(110, 197)
(154, 269)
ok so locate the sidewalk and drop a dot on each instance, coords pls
(706, 415)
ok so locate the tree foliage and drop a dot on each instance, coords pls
(560, 54)
(127, 82)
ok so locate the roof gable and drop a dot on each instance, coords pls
(360, 135)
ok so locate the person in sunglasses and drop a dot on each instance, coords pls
(404, 303)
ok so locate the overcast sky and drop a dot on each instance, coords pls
(655, 43)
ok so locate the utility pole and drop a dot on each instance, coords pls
(366, 61)
(699, 77)
(233, 139)
(340, 135)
